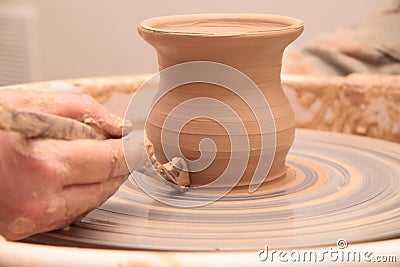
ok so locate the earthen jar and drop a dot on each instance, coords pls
(251, 43)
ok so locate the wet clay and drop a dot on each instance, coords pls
(250, 43)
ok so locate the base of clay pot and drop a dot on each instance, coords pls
(268, 184)
(278, 170)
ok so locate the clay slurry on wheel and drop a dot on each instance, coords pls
(337, 185)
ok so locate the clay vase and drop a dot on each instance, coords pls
(251, 43)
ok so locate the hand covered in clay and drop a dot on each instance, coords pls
(47, 184)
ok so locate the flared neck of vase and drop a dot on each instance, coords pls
(230, 30)
(244, 41)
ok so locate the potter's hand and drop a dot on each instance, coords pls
(47, 184)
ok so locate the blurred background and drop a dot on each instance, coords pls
(59, 39)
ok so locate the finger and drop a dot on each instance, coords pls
(91, 161)
(86, 109)
(80, 107)
(77, 202)
(94, 161)
(82, 198)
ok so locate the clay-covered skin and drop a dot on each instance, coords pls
(47, 184)
(251, 43)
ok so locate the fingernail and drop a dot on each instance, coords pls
(127, 127)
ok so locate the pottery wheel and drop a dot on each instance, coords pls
(338, 187)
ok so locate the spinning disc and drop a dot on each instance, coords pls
(338, 187)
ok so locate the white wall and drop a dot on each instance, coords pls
(80, 38)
